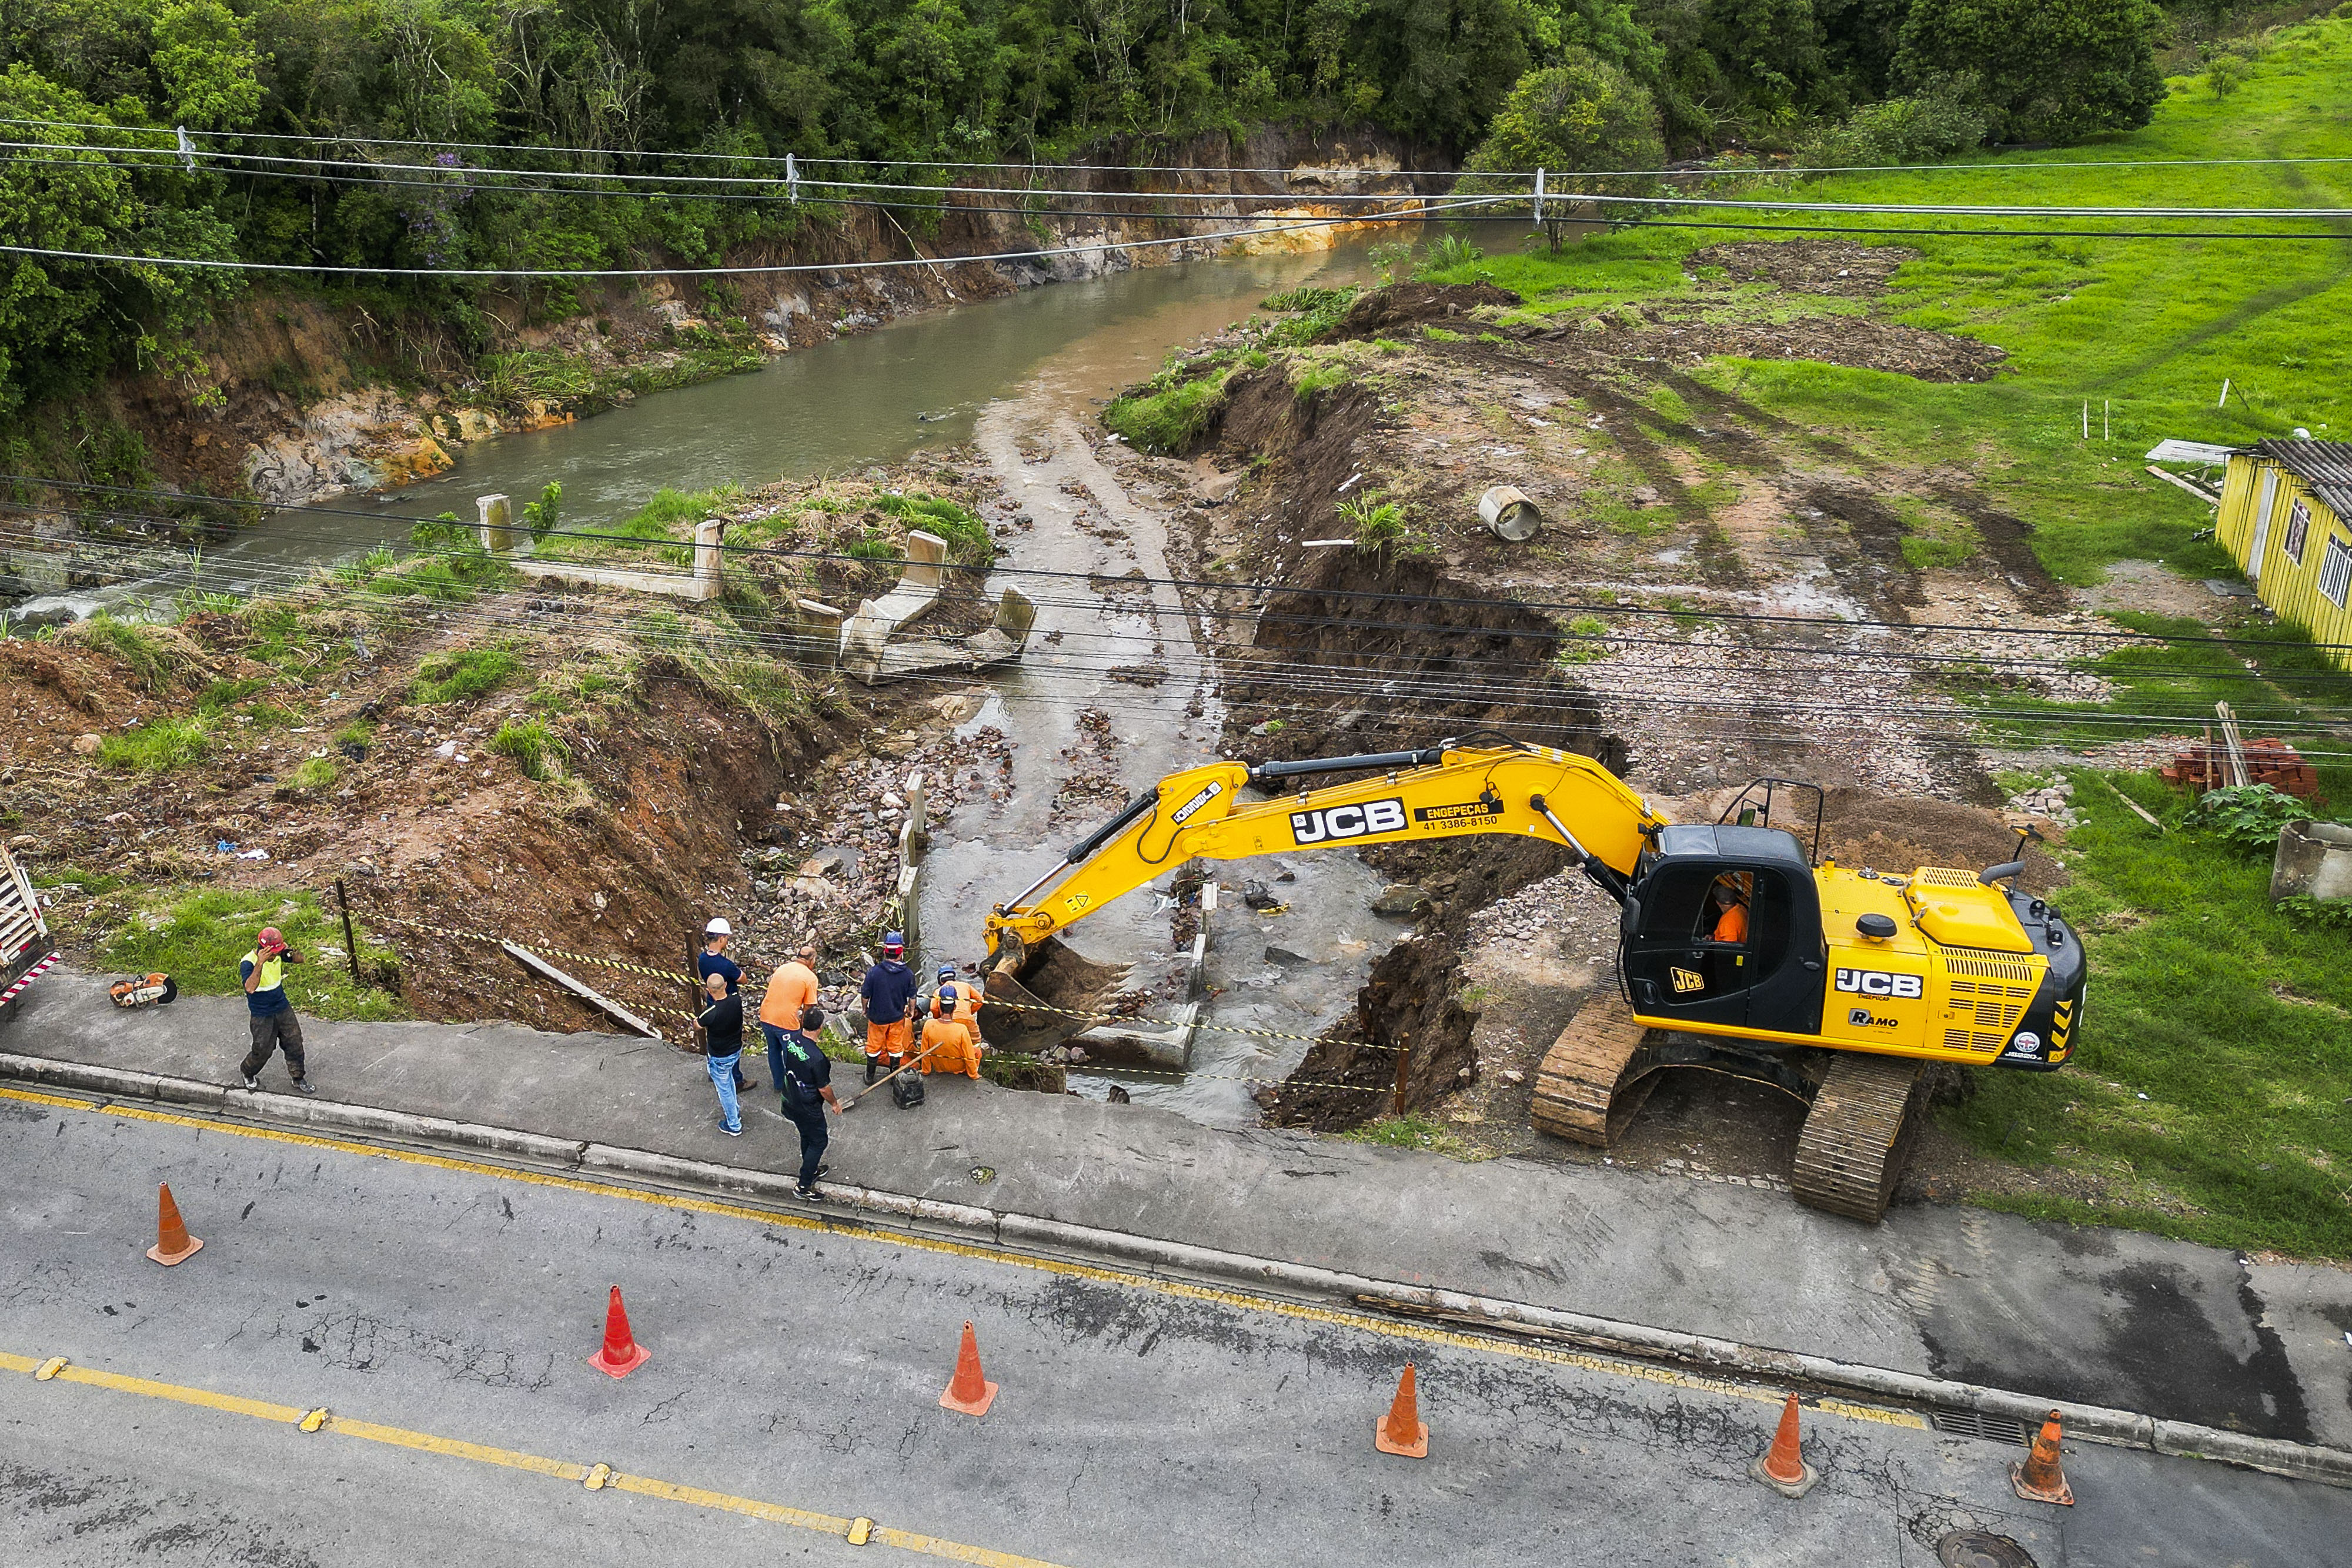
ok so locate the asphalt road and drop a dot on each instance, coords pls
(444, 1314)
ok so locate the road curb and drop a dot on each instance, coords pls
(2121, 1428)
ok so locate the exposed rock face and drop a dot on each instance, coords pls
(359, 441)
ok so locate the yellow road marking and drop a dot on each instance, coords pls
(1361, 1323)
(595, 1476)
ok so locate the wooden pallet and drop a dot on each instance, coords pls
(1858, 1138)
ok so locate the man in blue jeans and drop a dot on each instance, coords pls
(722, 1043)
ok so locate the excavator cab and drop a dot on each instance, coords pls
(1723, 927)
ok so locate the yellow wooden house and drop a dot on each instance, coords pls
(2286, 516)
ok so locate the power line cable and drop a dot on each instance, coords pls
(1570, 607)
(780, 159)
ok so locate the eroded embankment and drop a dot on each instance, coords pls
(467, 754)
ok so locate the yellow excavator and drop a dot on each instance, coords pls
(1739, 949)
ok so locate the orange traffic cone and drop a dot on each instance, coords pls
(172, 1242)
(2038, 1478)
(622, 1353)
(1402, 1430)
(1783, 1467)
(968, 1391)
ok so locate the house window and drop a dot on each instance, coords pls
(2335, 570)
(2298, 527)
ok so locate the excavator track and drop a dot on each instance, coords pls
(1858, 1138)
(1596, 1075)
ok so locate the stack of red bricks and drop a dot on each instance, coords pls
(2205, 766)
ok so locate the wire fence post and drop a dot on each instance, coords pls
(1405, 1064)
(350, 942)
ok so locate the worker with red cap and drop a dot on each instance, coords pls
(268, 1012)
(888, 995)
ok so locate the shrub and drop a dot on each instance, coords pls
(1376, 523)
(533, 746)
(315, 774)
(1172, 420)
(1446, 253)
(966, 535)
(160, 747)
(1321, 377)
(1581, 646)
(1941, 122)
(1317, 312)
(2246, 818)
(1583, 113)
(541, 515)
(464, 675)
(444, 532)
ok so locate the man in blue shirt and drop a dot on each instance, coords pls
(888, 994)
(268, 1012)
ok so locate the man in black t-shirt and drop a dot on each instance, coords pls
(722, 1042)
(713, 960)
(807, 1091)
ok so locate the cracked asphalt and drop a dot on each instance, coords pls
(1137, 1424)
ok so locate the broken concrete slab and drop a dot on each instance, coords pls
(997, 644)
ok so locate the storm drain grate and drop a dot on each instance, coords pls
(1976, 1423)
(1980, 1549)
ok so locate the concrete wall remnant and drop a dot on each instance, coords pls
(498, 523)
(2313, 860)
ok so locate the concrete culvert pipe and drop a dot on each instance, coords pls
(1510, 514)
(2313, 860)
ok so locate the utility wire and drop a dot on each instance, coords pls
(778, 159)
(1359, 596)
(305, 266)
(1664, 198)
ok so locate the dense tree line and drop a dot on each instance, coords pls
(894, 84)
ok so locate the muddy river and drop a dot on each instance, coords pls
(1022, 376)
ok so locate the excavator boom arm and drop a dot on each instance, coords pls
(1390, 797)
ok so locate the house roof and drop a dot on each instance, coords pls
(2327, 464)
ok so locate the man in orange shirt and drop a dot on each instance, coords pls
(950, 1035)
(1732, 911)
(790, 989)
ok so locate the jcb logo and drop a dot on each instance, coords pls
(1686, 979)
(1346, 821)
(1878, 983)
(1184, 812)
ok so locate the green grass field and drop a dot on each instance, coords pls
(2212, 1091)
(2142, 331)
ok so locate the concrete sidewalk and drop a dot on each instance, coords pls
(2102, 1317)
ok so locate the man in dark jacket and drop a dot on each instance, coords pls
(888, 994)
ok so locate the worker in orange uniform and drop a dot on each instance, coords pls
(888, 994)
(951, 1034)
(791, 989)
(1730, 911)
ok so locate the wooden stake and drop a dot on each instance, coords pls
(351, 943)
(1404, 1064)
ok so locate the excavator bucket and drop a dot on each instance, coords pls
(1038, 996)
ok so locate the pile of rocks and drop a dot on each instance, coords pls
(2054, 800)
(835, 859)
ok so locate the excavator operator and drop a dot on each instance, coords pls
(1727, 903)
